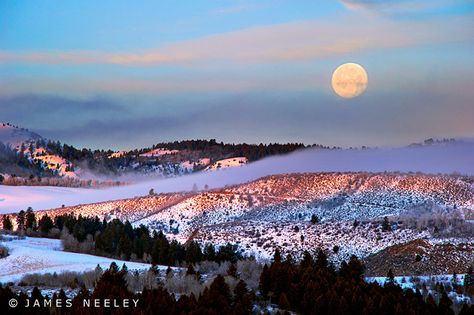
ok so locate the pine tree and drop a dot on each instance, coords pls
(469, 278)
(307, 261)
(210, 252)
(265, 282)
(277, 256)
(314, 219)
(386, 225)
(240, 291)
(45, 224)
(190, 270)
(454, 281)
(445, 305)
(232, 271)
(30, 219)
(390, 277)
(321, 260)
(193, 252)
(20, 220)
(7, 223)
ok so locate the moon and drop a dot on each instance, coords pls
(349, 80)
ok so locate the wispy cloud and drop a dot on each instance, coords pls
(274, 43)
(234, 9)
(396, 7)
(159, 85)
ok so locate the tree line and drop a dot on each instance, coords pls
(312, 286)
(216, 149)
(117, 239)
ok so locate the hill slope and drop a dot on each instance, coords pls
(16, 136)
(277, 211)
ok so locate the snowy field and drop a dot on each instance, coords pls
(41, 255)
(440, 158)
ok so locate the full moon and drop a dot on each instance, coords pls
(349, 80)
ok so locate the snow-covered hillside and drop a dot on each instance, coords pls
(26, 143)
(227, 163)
(15, 136)
(277, 210)
(41, 255)
(133, 210)
(61, 166)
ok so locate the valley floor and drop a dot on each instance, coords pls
(41, 255)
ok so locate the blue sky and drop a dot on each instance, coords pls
(117, 74)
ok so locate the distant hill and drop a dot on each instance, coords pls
(30, 159)
(14, 136)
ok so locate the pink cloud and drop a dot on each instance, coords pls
(275, 43)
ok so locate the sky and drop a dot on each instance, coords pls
(122, 75)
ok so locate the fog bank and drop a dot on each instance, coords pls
(443, 158)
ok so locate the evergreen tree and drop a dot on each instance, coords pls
(314, 219)
(30, 219)
(193, 252)
(45, 224)
(307, 261)
(469, 278)
(386, 225)
(228, 253)
(7, 223)
(321, 260)
(190, 270)
(277, 256)
(232, 271)
(454, 281)
(209, 252)
(390, 277)
(243, 299)
(445, 304)
(20, 220)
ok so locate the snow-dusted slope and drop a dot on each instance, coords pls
(227, 163)
(278, 210)
(51, 161)
(41, 255)
(14, 136)
(296, 197)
